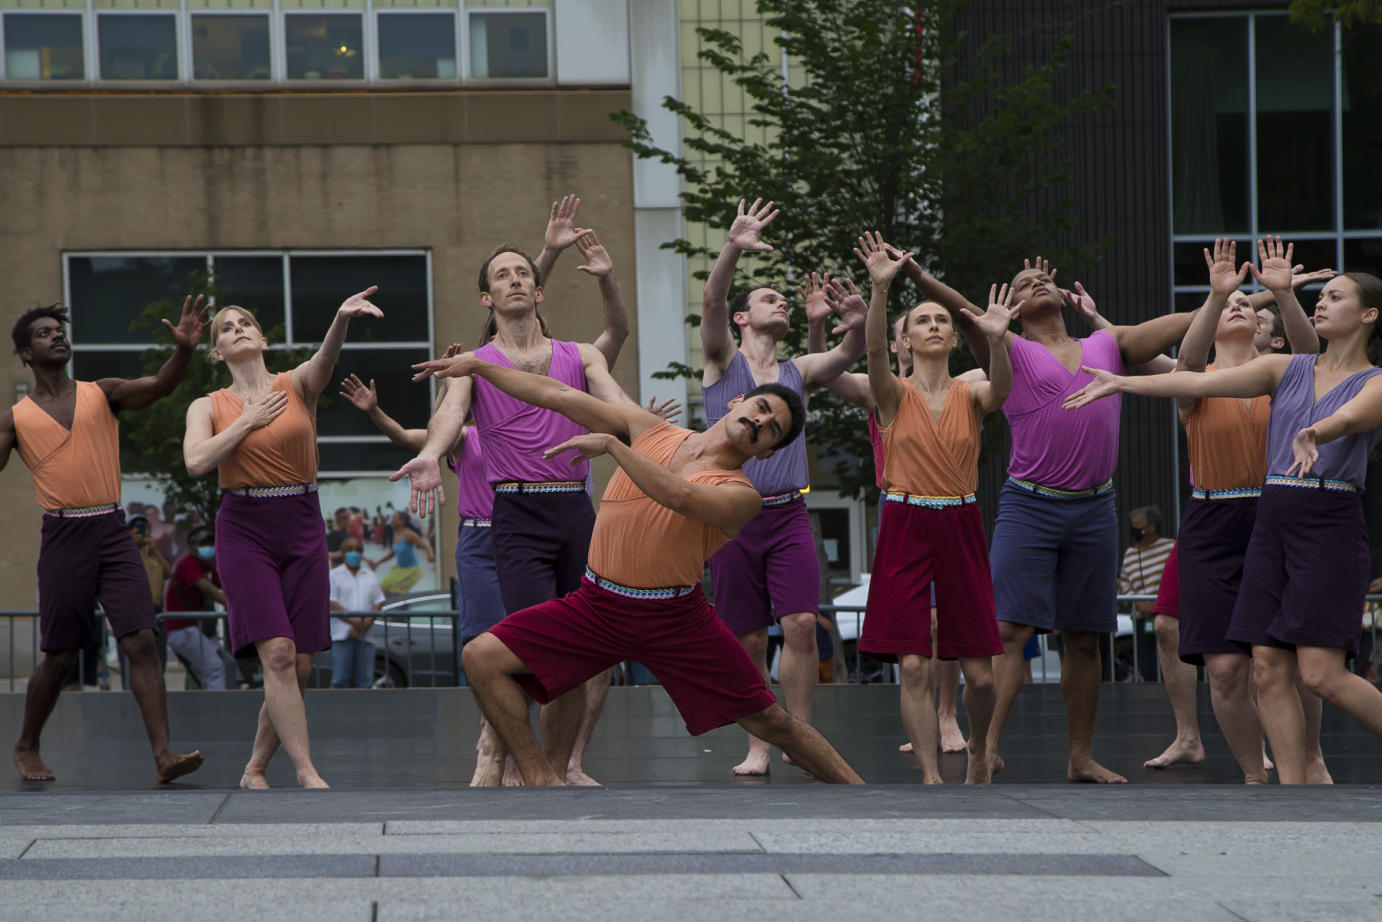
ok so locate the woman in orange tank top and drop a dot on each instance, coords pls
(930, 528)
(261, 432)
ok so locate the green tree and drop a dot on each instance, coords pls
(896, 129)
(1316, 14)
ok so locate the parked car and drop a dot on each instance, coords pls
(412, 649)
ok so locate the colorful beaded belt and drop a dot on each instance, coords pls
(1236, 493)
(296, 489)
(475, 523)
(671, 592)
(1313, 483)
(930, 502)
(782, 499)
(83, 512)
(550, 486)
(1064, 494)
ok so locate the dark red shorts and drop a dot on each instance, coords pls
(83, 559)
(1168, 596)
(917, 545)
(682, 641)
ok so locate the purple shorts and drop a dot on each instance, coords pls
(541, 541)
(82, 559)
(769, 570)
(271, 554)
(1306, 572)
(1214, 538)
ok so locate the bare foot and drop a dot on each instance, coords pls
(978, 771)
(489, 773)
(312, 781)
(756, 763)
(577, 777)
(177, 764)
(31, 767)
(1092, 772)
(254, 781)
(905, 747)
(996, 764)
(1267, 765)
(513, 778)
(952, 740)
(1177, 753)
(1316, 772)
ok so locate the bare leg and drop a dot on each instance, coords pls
(980, 696)
(150, 693)
(919, 713)
(1267, 765)
(946, 675)
(1316, 772)
(1081, 675)
(489, 757)
(1007, 682)
(1180, 679)
(283, 718)
(756, 646)
(803, 743)
(561, 722)
(1230, 690)
(1326, 675)
(491, 667)
(39, 700)
(1274, 672)
(799, 669)
(596, 691)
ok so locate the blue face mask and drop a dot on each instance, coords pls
(206, 553)
(353, 559)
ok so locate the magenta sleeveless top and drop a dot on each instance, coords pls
(474, 496)
(1065, 449)
(516, 434)
(786, 470)
(1294, 408)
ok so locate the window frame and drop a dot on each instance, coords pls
(87, 63)
(460, 37)
(276, 70)
(549, 80)
(181, 47)
(366, 48)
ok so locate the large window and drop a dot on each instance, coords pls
(294, 295)
(42, 46)
(1274, 130)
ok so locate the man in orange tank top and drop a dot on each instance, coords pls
(678, 497)
(67, 434)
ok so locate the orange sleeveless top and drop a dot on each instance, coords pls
(644, 545)
(1228, 442)
(281, 454)
(928, 457)
(76, 468)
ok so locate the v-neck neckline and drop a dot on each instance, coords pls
(1055, 358)
(1314, 366)
(949, 392)
(76, 403)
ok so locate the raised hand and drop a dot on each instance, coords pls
(1275, 274)
(816, 296)
(1225, 275)
(191, 325)
(453, 350)
(669, 409)
(354, 390)
(1083, 304)
(597, 261)
(874, 254)
(1300, 278)
(449, 366)
(359, 305)
(1305, 452)
(993, 323)
(263, 408)
(743, 233)
(426, 492)
(1105, 384)
(1043, 264)
(588, 446)
(561, 228)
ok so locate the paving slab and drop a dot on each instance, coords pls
(252, 867)
(162, 806)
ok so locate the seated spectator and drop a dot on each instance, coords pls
(194, 587)
(353, 588)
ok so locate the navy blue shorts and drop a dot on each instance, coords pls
(1055, 561)
(482, 605)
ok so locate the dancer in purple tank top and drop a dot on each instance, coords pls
(1306, 570)
(769, 572)
(1054, 553)
(543, 517)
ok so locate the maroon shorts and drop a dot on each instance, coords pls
(1168, 596)
(82, 559)
(769, 569)
(917, 545)
(702, 665)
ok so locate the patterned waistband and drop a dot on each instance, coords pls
(1030, 487)
(296, 489)
(1312, 483)
(782, 499)
(476, 523)
(82, 512)
(1236, 493)
(929, 502)
(549, 486)
(671, 592)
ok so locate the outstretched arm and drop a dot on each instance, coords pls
(616, 316)
(1083, 304)
(562, 232)
(989, 395)
(822, 368)
(1361, 414)
(313, 375)
(850, 386)
(883, 267)
(717, 345)
(443, 433)
(1224, 278)
(947, 297)
(1144, 342)
(7, 437)
(1277, 277)
(138, 393)
(367, 399)
(1255, 379)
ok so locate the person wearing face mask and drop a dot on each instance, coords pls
(353, 588)
(1143, 564)
(195, 584)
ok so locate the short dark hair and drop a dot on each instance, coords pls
(794, 404)
(23, 332)
(507, 248)
(1151, 515)
(200, 535)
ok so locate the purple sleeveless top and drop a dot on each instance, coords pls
(474, 496)
(1294, 408)
(1065, 449)
(516, 433)
(786, 470)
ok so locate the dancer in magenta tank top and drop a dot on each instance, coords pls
(769, 572)
(1306, 568)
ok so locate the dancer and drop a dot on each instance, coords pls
(68, 436)
(1054, 553)
(542, 516)
(769, 572)
(930, 527)
(406, 543)
(261, 433)
(678, 496)
(1305, 571)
